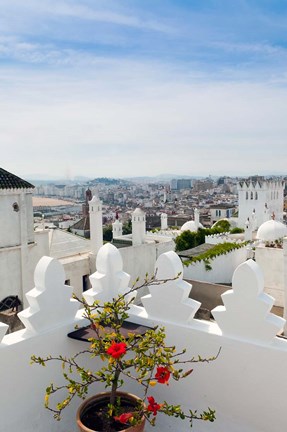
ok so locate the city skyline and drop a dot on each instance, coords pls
(130, 88)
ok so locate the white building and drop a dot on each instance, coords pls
(20, 247)
(261, 198)
(221, 211)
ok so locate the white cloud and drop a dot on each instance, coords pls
(136, 120)
(111, 91)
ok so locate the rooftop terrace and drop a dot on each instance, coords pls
(246, 385)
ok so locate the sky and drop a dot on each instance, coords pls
(126, 88)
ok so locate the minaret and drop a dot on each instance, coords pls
(138, 227)
(85, 207)
(163, 220)
(96, 224)
(196, 218)
(117, 227)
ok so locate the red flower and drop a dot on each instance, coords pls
(116, 350)
(124, 418)
(153, 406)
(162, 374)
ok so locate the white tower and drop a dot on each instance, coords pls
(16, 234)
(163, 220)
(96, 224)
(260, 196)
(138, 227)
(117, 227)
(196, 218)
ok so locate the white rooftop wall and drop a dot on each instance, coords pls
(246, 385)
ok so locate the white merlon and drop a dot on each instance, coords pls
(170, 301)
(109, 280)
(50, 302)
(246, 311)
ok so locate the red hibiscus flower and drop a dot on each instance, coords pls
(117, 350)
(162, 374)
(124, 418)
(153, 406)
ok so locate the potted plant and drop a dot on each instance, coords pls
(119, 356)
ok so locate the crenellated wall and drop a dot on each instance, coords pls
(246, 385)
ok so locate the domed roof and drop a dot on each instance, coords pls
(190, 225)
(271, 230)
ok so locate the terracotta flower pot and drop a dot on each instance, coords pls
(90, 407)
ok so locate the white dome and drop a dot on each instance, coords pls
(271, 230)
(190, 225)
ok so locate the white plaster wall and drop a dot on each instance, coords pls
(22, 406)
(10, 234)
(10, 229)
(245, 385)
(29, 216)
(75, 268)
(139, 260)
(10, 271)
(223, 267)
(10, 266)
(271, 262)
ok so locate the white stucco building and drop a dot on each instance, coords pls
(260, 198)
(20, 247)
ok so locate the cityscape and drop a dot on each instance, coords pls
(215, 198)
(143, 215)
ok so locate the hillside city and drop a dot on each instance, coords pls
(219, 246)
(215, 198)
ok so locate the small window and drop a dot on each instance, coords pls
(256, 195)
(67, 282)
(251, 195)
(86, 283)
(246, 195)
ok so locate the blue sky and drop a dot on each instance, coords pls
(129, 87)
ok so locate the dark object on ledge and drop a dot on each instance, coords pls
(10, 302)
(86, 333)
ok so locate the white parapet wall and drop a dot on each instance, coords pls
(222, 267)
(271, 262)
(246, 385)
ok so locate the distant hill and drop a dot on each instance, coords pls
(107, 181)
(160, 178)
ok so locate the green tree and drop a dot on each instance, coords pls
(127, 227)
(108, 233)
(224, 225)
